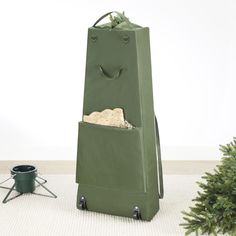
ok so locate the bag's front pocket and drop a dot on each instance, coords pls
(110, 157)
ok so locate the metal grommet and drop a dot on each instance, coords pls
(125, 38)
(94, 38)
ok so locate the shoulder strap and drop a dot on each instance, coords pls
(160, 172)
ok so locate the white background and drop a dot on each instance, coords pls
(42, 67)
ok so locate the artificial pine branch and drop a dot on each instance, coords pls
(214, 211)
(116, 20)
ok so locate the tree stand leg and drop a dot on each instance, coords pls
(5, 200)
(42, 185)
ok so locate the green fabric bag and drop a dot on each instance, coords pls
(116, 167)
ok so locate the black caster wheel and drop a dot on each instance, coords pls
(82, 203)
(136, 213)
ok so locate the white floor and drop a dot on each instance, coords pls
(35, 215)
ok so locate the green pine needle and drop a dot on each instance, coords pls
(116, 20)
(214, 211)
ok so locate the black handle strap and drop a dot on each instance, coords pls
(107, 14)
(160, 172)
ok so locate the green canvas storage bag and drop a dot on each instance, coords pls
(119, 170)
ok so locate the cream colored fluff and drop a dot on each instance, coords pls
(108, 117)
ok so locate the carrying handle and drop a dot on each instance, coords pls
(107, 14)
(115, 75)
(160, 171)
